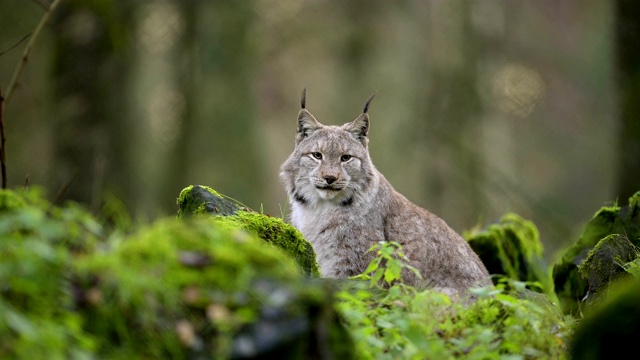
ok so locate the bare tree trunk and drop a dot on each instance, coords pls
(220, 141)
(451, 106)
(628, 53)
(88, 70)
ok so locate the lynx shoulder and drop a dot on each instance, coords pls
(343, 205)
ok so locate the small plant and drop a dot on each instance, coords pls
(506, 321)
(386, 268)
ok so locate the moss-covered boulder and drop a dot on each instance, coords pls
(570, 286)
(611, 327)
(605, 264)
(195, 288)
(512, 248)
(198, 199)
(178, 289)
(203, 200)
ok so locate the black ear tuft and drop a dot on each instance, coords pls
(366, 104)
(303, 99)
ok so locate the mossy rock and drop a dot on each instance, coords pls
(612, 326)
(605, 264)
(203, 200)
(570, 286)
(512, 248)
(198, 289)
(198, 199)
(190, 288)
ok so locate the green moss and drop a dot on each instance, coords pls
(189, 288)
(278, 233)
(605, 263)
(512, 248)
(202, 200)
(199, 199)
(570, 287)
(169, 274)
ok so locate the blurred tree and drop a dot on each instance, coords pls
(218, 144)
(628, 52)
(89, 71)
(452, 107)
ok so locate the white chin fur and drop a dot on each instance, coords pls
(327, 194)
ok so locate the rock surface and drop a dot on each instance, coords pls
(571, 286)
(512, 248)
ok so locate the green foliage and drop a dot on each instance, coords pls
(39, 245)
(386, 268)
(199, 287)
(513, 248)
(172, 289)
(404, 323)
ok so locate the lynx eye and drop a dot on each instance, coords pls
(344, 158)
(317, 155)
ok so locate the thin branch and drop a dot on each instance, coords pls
(3, 165)
(41, 3)
(27, 49)
(16, 44)
(57, 200)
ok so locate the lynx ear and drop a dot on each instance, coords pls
(307, 124)
(360, 126)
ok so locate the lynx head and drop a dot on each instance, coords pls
(328, 163)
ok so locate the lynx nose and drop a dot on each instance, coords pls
(330, 179)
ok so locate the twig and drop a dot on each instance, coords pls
(16, 44)
(26, 182)
(41, 3)
(3, 165)
(64, 188)
(27, 49)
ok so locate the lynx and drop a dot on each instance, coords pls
(343, 205)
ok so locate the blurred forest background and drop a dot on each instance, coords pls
(482, 107)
